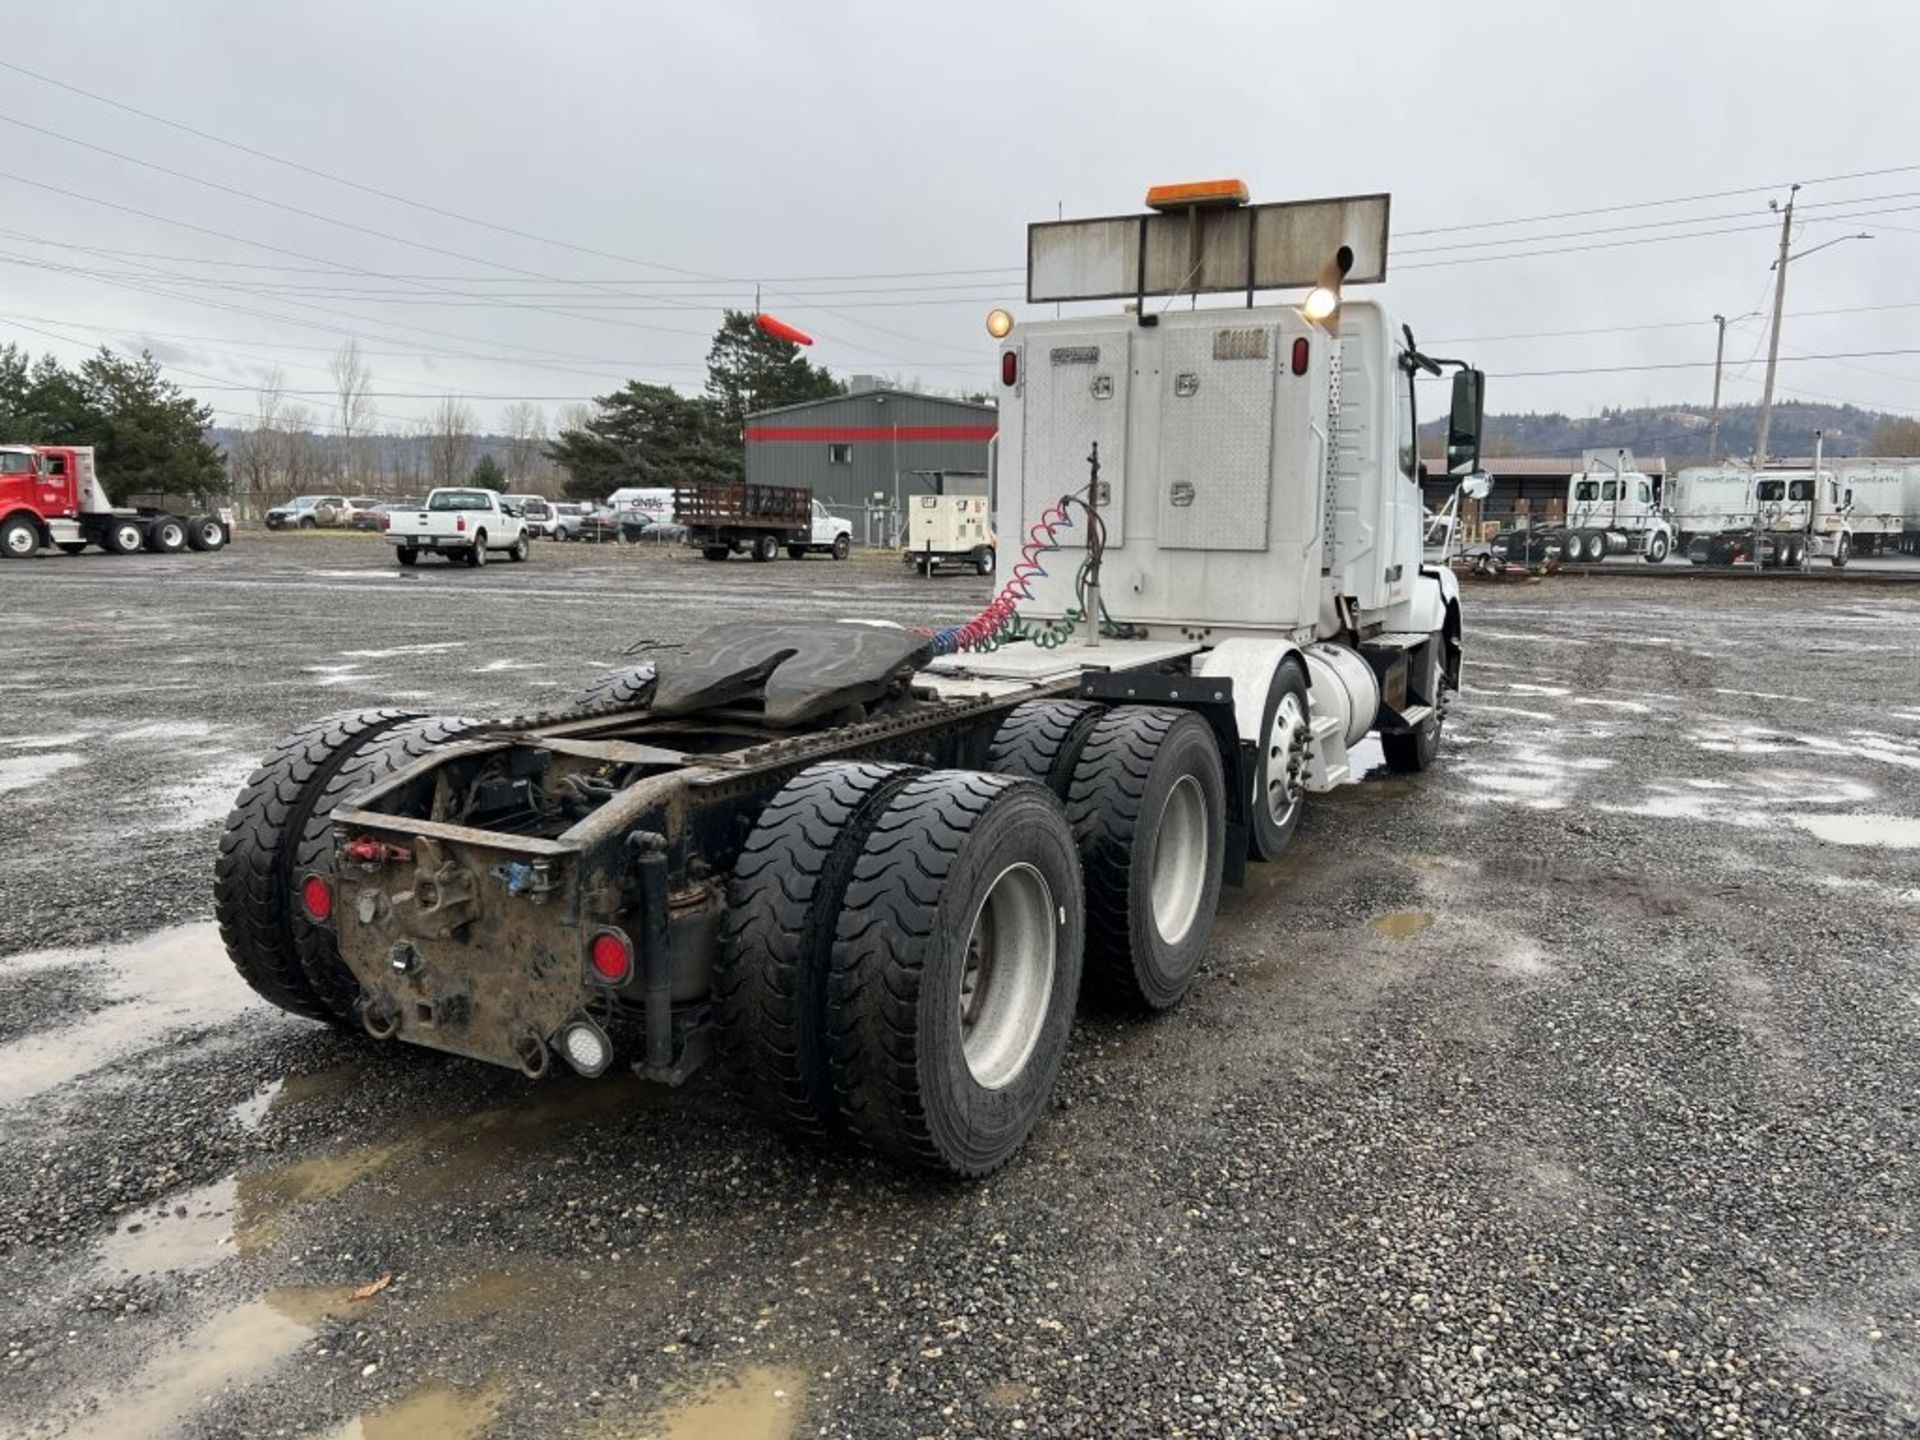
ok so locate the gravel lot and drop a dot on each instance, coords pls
(1569, 1089)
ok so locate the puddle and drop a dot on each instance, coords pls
(203, 800)
(24, 771)
(160, 1240)
(1893, 832)
(44, 742)
(394, 652)
(168, 980)
(334, 675)
(437, 1412)
(1631, 706)
(518, 1288)
(1400, 924)
(229, 1351)
(761, 1403)
(166, 730)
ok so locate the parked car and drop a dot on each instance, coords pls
(537, 512)
(662, 532)
(307, 512)
(567, 518)
(375, 517)
(358, 505)
(599, 524)
(461, 522)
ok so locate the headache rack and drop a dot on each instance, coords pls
(784, 506)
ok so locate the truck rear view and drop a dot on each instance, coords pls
(873, 871)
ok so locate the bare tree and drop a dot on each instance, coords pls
(259, 455)
(304, 459)
(525, 425)
(353, 386)
(449, 442)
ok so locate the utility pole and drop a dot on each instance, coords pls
(1719, 356)
(1773, 342)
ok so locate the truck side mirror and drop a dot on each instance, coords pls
(1464, 421)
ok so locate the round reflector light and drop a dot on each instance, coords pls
(586, 1048)
(611, 957)
(317, 895)
(999, 324)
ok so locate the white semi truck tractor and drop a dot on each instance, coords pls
(871, 871)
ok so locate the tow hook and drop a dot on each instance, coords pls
(380, 1018)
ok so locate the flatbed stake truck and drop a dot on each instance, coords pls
(869, 872)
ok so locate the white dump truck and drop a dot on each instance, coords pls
(1614, 509)
(872, 871)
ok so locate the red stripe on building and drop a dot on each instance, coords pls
(847, 434)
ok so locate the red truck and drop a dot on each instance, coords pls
(50, 495)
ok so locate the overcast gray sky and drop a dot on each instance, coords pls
(700, 147)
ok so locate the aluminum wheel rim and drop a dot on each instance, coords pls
(1007, 980)
(1283, 792)
(22, 541)
(1179, 860)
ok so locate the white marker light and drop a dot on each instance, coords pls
(1320, 304)
(586, 1048)
(999, 324)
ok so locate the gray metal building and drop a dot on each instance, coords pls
(859, 452)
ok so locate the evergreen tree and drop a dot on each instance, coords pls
(645, 435)
(749, 370)
(487, 474)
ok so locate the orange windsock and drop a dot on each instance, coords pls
(780, 330)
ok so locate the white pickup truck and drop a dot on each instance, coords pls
(461, 523)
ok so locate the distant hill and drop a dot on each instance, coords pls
(1679, 431)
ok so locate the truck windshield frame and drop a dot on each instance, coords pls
(451, 500)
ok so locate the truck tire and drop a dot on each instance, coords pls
(1842, 551)
(842, 546)
(1409, 752)
(477, 552)
(784, 900)
(333, 985)
(796, 552)
(955, 969)
(207, 533)
(122, 537)
(166, 535)
(521, 549)
(1148, 807)
(1279, 785)
(255, 886)
(715, 552)
(1656, 547)
(1042, 740)
(618, 689)
(408, 555)
(983, 560)
(19, 538)
(765, 547)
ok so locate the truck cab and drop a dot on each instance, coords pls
(1614, 509)
(51, 495)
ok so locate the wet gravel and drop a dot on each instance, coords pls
(1568, 1089)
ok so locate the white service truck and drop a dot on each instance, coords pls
(869, 870)
(461, 522)
(1614, 509)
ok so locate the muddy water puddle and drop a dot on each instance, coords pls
(438, 1412)
(169, 980)
(760, 1403)
(1401, 924)
(232, 1349)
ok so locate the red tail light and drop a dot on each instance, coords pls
(459, 522)
(610, 958)
(316, 893)
(1009, 367)
(1300, 355)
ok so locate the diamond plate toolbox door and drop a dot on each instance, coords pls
(1216, 437)
(1076, 395)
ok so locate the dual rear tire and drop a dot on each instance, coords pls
(904, 949)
